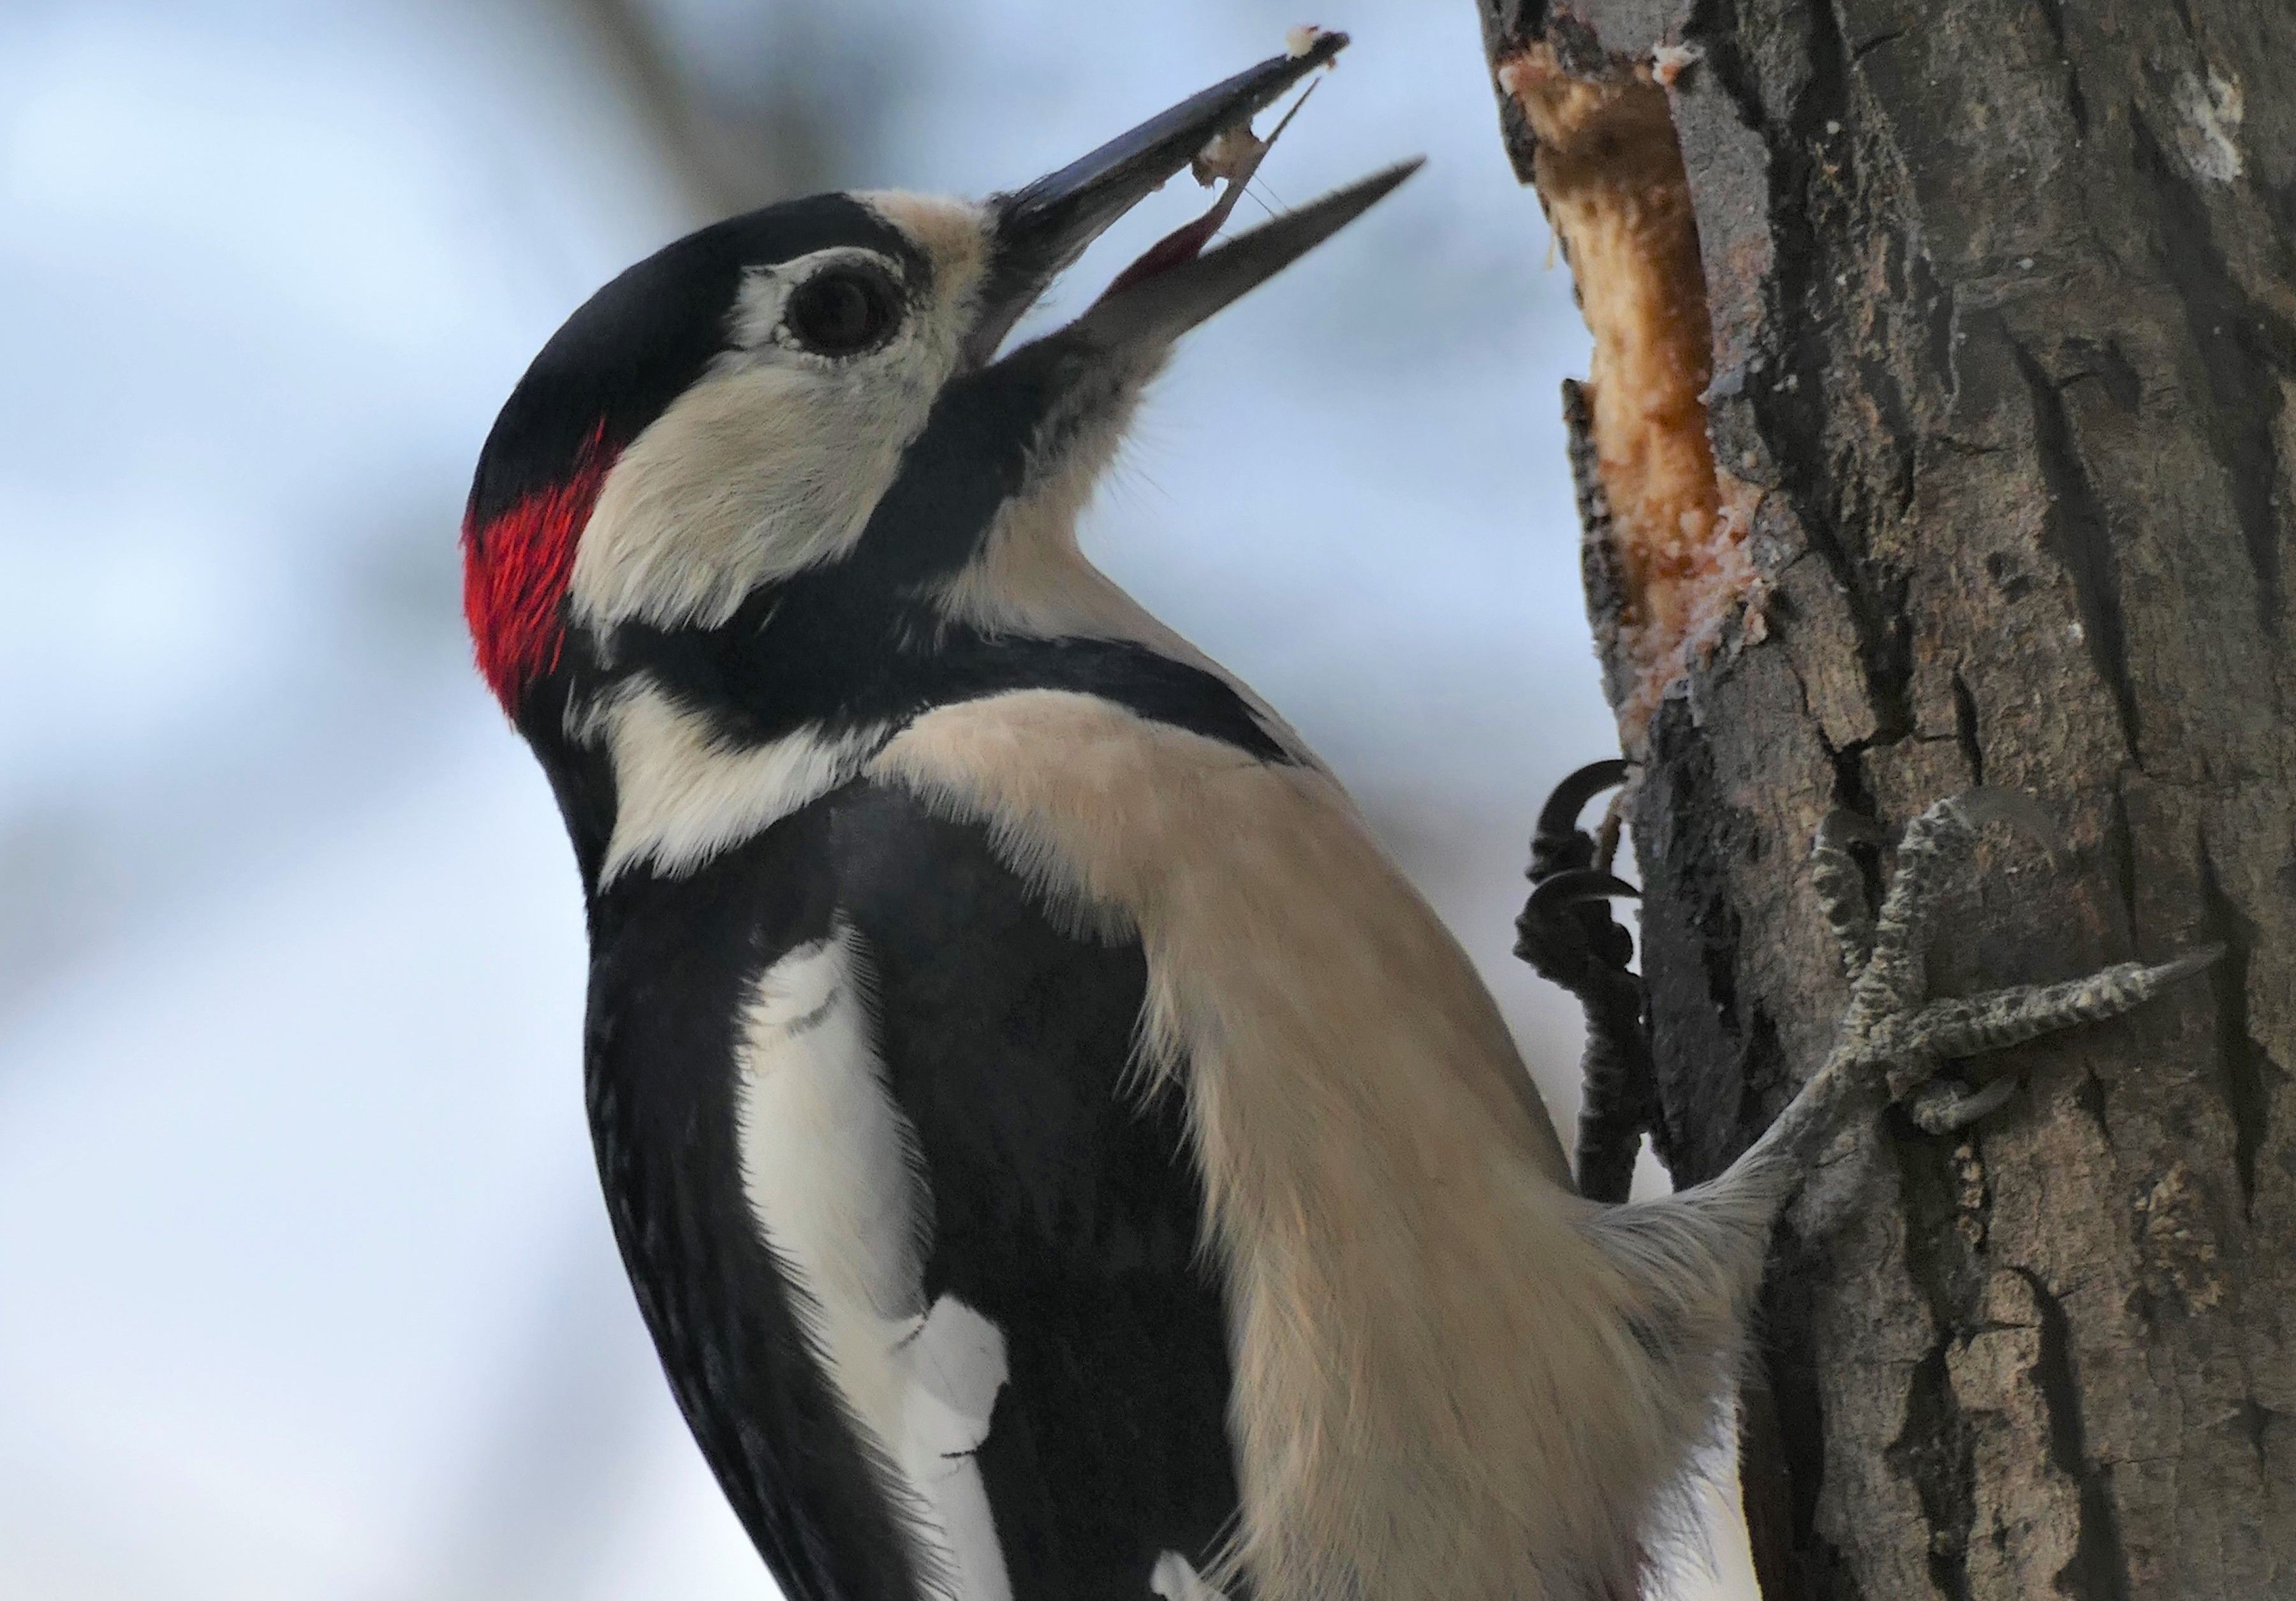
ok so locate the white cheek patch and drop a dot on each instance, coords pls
(773, 462)
(828, 1170)
(681, 795)
(756, 472)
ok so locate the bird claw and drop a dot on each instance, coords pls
(1567, 934)
(1577, 886)
(1559, 842)
(1948, 1106)
(1565, 931)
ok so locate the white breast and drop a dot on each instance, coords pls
(827, 1169)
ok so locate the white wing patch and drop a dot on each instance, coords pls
(828, 1170)
(1175, 1578)
(681, 795)
(957, 1367)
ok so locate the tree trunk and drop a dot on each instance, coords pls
(1939, 434)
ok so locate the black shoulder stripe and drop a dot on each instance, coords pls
(1141, 680)
(812, 652)
(1067, 1207)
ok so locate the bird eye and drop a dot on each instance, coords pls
(842, 311)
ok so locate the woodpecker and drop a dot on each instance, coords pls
(1056, 1151)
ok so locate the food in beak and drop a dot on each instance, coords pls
(1181, 280)
(1233, 157)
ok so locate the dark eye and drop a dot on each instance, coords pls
(840, 311)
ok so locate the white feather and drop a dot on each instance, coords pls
(1175, 1579)
(681, 795)
(956, 1368)
(827, 1170)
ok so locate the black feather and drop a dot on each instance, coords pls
(1065, 1203)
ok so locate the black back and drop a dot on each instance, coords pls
(1066, 1207)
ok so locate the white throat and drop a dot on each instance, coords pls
(682, 793)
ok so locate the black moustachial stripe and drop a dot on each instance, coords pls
(972, 456)
(817, 652)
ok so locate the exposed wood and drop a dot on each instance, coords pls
(2002, 301)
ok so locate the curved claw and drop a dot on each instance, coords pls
(2197, 960)
(1566, 933)
(1558, 819)
(1942, 1106)
(1560, 890)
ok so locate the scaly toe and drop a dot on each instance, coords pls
(1893, 981)
(1841, 884)
(2001, 1018)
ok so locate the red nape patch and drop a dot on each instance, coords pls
(515, 571)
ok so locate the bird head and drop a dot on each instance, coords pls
(804, 410)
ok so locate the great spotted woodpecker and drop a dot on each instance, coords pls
(1056, 1151)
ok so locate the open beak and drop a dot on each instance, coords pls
(1041, 229)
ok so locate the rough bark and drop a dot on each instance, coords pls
(2002, 299)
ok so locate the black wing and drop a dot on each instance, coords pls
(1066, 1208)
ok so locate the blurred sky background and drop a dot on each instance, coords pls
(305, 1288)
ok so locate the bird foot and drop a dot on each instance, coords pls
(1893, 1029)
(1566, 931)
(1568, 935)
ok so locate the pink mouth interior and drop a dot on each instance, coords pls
(1183, 244)
(1236, 167)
